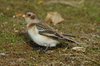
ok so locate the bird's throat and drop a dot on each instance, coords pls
(30, 25)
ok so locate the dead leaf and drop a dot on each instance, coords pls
(54, 17)
(19, 14)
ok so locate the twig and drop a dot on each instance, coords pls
(72, 3)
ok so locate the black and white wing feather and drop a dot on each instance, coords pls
(46, 30)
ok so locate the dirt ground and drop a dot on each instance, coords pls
(17, 50)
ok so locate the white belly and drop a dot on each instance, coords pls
(42, 40)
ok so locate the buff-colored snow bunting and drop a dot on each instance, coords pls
(40, 33)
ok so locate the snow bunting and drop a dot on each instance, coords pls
(41, 33)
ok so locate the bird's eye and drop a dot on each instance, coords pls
(28, 14)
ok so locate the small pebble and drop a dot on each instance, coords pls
(81, 49)
(2, 54)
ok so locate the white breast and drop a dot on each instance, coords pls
(41, 40)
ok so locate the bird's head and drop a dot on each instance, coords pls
(31, 17)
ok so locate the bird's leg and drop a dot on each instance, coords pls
(46, 48)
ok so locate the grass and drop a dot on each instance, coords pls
(82, 22)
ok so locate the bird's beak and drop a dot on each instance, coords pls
(24, 16)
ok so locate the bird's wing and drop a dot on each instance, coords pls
(48, 31)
